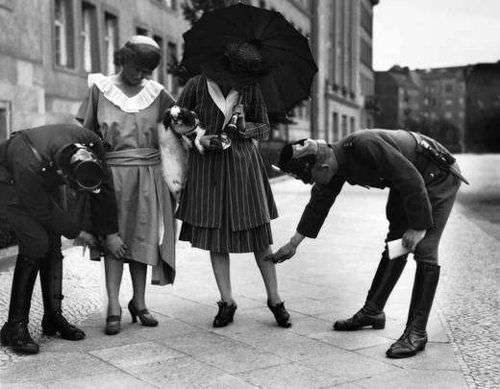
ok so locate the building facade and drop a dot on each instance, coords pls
(483, 107)
(444, 97)
(398, 97)
(342, 45)
(48, 47)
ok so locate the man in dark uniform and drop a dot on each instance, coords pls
(34, 164)
(423, 181)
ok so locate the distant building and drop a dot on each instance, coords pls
(48, 47)
(483, 107)
(342, 45)
(443, 97)
(398, 97)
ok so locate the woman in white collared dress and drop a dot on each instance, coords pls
(125, 110)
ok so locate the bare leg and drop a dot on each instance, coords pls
(268, 271)
(221, 268)
(138, 274)
(114, 271)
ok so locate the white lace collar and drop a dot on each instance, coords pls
(132, 104)
(225, 104)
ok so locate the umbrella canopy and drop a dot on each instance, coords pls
(288, 60)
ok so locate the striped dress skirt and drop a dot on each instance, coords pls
(225, 239)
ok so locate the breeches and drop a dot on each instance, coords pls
(442, 197)
(34, 240)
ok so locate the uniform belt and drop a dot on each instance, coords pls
(442, 159)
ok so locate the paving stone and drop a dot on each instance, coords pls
(436, 356)
(185, 372)
(348, 366)
(412, 379)
(351, 340)
(50, 366)
(118, 380)
(127, 356)
(292, 375)
(225, 353)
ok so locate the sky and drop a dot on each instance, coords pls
(435, 33)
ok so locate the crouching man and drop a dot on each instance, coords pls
(34, 164)
(423, 179)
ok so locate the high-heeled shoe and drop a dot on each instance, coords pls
(113, 324)
(280, 314)
(144, 316)
(225, 314)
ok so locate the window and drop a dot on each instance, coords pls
(366, 19)
(366, 53)
(448, 88)
(262, 4)
(353, 124)
(448, 115)
(4, 120)
(89, 38)
(335, 125)
(63, 33)
(110, 40)
(141, 31)
(426, 101)
(158, 73)
(171, 59)
(344, 126)
(461, 101)
(448, 102)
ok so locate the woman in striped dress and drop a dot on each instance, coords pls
(227, 204)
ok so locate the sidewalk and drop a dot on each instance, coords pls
(327, 280)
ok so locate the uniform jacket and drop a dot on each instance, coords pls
(37, 191)
(237, 173)
(380, 159)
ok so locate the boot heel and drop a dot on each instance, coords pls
(378, 326)
(134, 317)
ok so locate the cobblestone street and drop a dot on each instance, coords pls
(327, 280)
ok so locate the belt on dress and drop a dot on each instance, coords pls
(133, 157)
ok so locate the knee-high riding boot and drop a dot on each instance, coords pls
(414, 337)
(15, 332)
(372, 314)
(51, 272)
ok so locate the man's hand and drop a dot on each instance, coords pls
(115, 245)
(287, 251)
(85, 239)
(412, 237)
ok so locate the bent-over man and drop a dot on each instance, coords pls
(34, 163)
(423, 179)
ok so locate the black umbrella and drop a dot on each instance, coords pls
(290, 66)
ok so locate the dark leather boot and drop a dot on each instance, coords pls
(414, 337)
(15, 333)
(372, 314)
(53, 322)
(280, 314)
(225, 314)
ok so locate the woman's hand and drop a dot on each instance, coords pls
(114, 244)
(211, 142)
